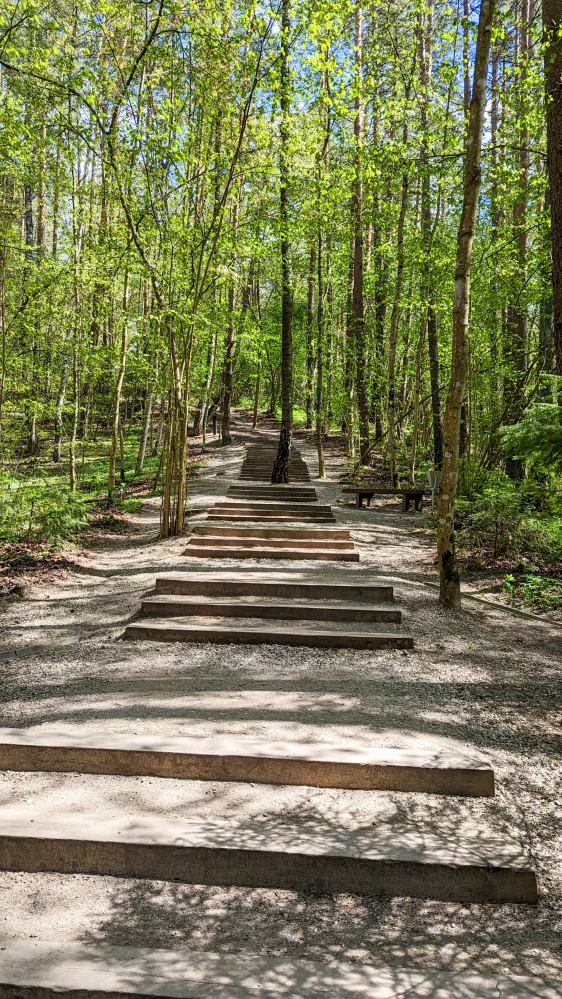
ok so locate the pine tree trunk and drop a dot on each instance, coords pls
(552, 21)
(257, 395)
(450, 594)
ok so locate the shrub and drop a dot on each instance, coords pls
(38, 510)
(495, 515)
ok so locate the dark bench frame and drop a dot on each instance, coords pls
(409, 495)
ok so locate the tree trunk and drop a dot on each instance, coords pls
(111, 479)
(320, 367)
(57, 456)
(358, 312)
(310, 338)
(228, 370)
(450, 593)
(552, 21)
(394, 327)
(280, 471)
(257, 395)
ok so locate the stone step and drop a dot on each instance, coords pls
(281, 517)
(37, 969)
(314, 533)
(305, 554)
(234, 759)
(225, 585)
(180, 606)
(167, 631)
(386, 859)
(251, 541)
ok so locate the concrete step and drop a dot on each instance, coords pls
(251, 541)
(235, 759)
(385, 859)
(168, 631)
(222, 551)
(37, 969)
(258, 585)
(314, 533)
(180, 606)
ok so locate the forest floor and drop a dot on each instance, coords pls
(483, 680)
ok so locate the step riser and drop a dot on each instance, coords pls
(289, 613)
(308, 511)
(253, 542)
(203, 530)
(282, 553)
(271, 517)
(253, 868)
(145, 632)
(265, 588)
(255, 494)
(252, 769)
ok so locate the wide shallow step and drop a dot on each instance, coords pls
(272, 517)
(179, 606)
(241, 506)
(305, 554)
(35, 969)
(234, 759)
(387, 859)
(254, 541)
(269, 494)
(259, 585)
(314, 533)
(166, 631)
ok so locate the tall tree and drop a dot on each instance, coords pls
(552, 27)
(280, 471)
(450, 592)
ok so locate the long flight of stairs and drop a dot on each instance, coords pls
(259, 459)
(265, 606)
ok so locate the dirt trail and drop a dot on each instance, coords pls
(482, 681)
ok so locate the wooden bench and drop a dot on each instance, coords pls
(410, 494)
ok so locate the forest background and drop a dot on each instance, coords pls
(204, 203)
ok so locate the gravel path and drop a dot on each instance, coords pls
(481, 681)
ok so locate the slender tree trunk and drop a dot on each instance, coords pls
(74, 432)
(228, 370)
(257, 395)
(552, 21)
(280, 471)
(111, 478)
(310, 337)
(358, 313)
(450, 594)
(320, 366)
(145, 429)
(394, 327)
(426, 44)
(57, 454)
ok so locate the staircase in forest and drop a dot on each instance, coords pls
(316, 608)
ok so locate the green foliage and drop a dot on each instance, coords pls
(495, 515)
(537, 438)
(37, 510)
(543, 593)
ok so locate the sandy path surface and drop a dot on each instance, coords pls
(483, 681)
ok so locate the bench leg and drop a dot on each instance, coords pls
(405, 503)
(358, 501)
(419, 504)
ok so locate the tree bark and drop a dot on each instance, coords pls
(358, 309)
(552, 21)
(280, 472)
(450, 594)
(310, 337)
(320, 367)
